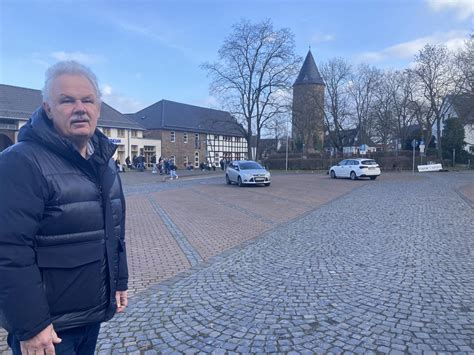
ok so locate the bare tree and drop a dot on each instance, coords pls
(336, 74)
(277, 127)
(381, 111)
(256, 63)
(464, 63)
(363, 83)
(433, 69)
(400, 86)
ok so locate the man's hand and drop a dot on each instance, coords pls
(122, 300)
(41, 343)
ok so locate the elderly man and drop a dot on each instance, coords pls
(63, 268)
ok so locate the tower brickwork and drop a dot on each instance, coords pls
(308, 108)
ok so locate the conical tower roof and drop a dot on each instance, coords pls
(309, 73)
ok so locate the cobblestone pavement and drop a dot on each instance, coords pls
(386, 268)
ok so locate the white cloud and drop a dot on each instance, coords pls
(120, 102)
(83, 58)
(106, 90)
(464, 8)
(320, 37)
(155, 33)
(454, 40)
(208, 101)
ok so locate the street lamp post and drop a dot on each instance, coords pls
(286, 150)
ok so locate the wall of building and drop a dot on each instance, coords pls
(469, 138)
(182, 146)
(308, 116)
(131, 143)
(191, 147)
(228, 147)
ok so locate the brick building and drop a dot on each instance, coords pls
(192, 134)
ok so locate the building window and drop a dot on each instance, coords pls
(121, 133)
(197, 143)
(172, 136)
(134, 150)
(185, 137)
(173, 159)
(106, 131)
(134, 133)
(196, 159)
(186, 161)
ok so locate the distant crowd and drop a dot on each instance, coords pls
(166, 166)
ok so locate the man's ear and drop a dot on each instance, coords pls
(47, 109)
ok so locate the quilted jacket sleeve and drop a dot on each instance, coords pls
(24, 309)
(122, 284)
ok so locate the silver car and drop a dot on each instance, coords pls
(247, 172)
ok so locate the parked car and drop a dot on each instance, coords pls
(355, 168)
(247, 172)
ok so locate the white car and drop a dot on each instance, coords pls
(247, 172)
(355, 168)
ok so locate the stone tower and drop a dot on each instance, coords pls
(308, 108)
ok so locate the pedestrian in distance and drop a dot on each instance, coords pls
(118, 165)
(172, 168)
(63, 267)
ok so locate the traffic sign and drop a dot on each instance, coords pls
(414, 143)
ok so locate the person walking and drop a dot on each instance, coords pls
(172, 168)
(63, 266)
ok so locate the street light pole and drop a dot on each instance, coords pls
(286, 153)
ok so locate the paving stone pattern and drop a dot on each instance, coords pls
(385, 268)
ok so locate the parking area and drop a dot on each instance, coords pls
(309, 264)
(211, 217)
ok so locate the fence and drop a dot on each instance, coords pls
(391, 160)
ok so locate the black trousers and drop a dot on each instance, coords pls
(80, 341)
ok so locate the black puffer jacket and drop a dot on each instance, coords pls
(62, 223)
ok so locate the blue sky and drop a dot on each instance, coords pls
(145, 51)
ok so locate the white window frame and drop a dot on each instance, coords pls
(196, 159)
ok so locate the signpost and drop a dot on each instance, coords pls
(422, 150)
(414, 143)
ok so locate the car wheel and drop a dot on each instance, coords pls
(333, 174)
(227, 180)
(267, 184)
(373, 177)
(353, 175)
(239, 182)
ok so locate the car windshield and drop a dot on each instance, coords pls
(248, 165)
(369, 162)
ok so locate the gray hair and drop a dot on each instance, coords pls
(68, 67)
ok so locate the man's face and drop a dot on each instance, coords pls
(73, 107)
